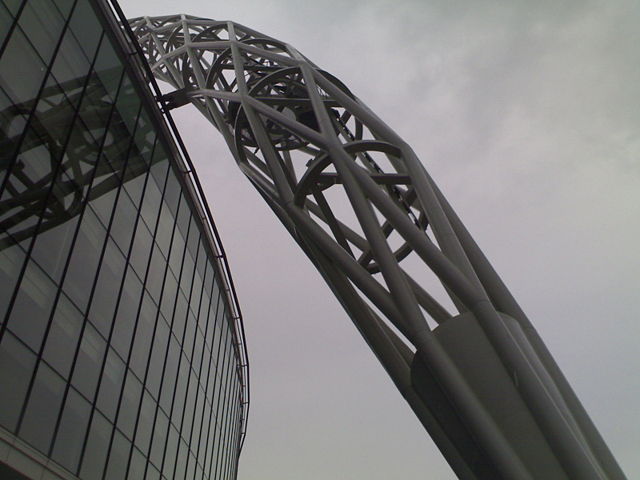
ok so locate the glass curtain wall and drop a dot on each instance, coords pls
(117, 351)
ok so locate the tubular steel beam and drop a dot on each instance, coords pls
(359, 202)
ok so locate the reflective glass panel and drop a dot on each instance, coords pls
(17, 363)
(72, 431)
(43, 408)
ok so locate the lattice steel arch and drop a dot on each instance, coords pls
(311, 148)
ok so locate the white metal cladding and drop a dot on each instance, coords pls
(310, 147)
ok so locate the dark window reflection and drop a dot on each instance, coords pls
(159, 438)
(17, 363)
(30, 314)
(105, 297)
(145, 423)
(97, 447)
(126, 315)
(90, 356)
(72, 430)
(43, 408)
(11, 260)
(84, 259)
(129, 407)
(118, 458)
(64, 335)
(111, 384)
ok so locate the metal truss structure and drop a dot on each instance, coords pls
(359, 202)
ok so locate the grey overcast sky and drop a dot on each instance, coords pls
(527, 115)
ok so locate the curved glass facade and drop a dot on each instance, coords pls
(120, 351)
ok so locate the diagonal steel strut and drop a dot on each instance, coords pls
(358, 201)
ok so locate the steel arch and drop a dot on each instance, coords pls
(311, 147)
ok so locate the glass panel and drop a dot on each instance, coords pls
(184, 215)
(207, 362)
(81, 153)
(178, 246)
(94, 113)
(156, 274)
(127, 313)
(27, 188)
(109, 69)
(186, 280)
(151, 204)
(169, 295)
(22, 69)
(118, 457)
(43, 24)
(172, 192)
(160, 166)
(182, 462)
(191, 467)
(145, 422)
(144, 138)
(205, 432)
(86, 28)
(152, 473)
(12, 124)
(31, 310)
(71, 65)
(127, 105)
(137, 466)
(215, 328)
(189, 334)
(197, 353)
(202, 260)
(116, 143)
(170, 455)
(63, 337)
(84, 259)
(123, 221)
(64, 6)
(141, 249)
(110, 385)
(102, 203)
(189, 406)
(12, 6)
(11, 261)
(144, 334)
(179, 319)
(105, 296)
(96, 449)
(210, 447)
(169, 376)
(56, 107)
(72, 431)
(135, 177)
(181, 391)
(196, 290)
(128, 412)
(53, 260)
(165, 228)
(89, 362)
(17, 366)
(159, 438)
(194, 239)
(197, 421)
(43, 408)
(157, 358)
